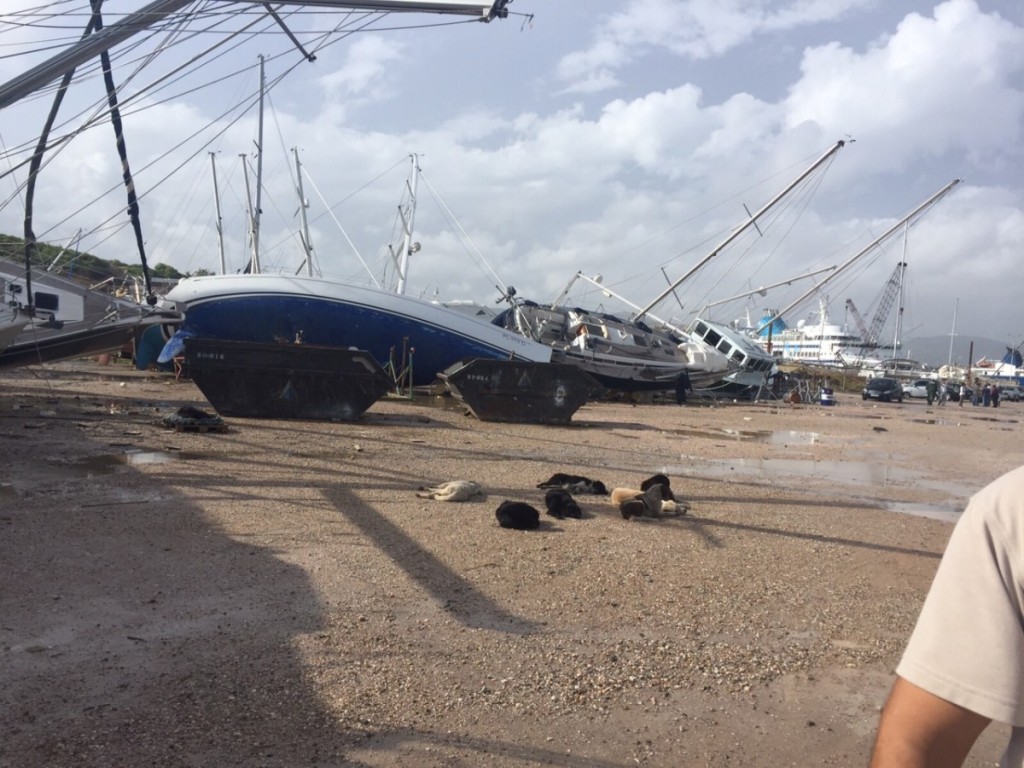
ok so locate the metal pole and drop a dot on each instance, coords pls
(249, 213)
(258, 210)
(220, 221)
(765, 288)
(403, 264)
(952, 334)
(899, 309)
(307, 244)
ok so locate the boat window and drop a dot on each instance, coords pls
(47, 301)
(701, 330)
(713, 337)
(738, 356)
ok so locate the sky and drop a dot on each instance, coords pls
(620, 138)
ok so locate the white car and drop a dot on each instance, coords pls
(918, 388)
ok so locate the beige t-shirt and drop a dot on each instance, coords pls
(968, 645)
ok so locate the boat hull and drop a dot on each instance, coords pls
(31, 348)
(400, 332)
(11, 324)
(621, 355)
(285, 381)
(520, 392)
(68, 320)
(629, 375)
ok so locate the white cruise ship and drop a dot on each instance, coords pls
(820, 343)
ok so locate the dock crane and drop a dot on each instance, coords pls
(889, 294)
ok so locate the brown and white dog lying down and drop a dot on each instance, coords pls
(648, 503)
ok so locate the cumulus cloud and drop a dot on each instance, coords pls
(899, 94)
(366, 74)
(696, 29)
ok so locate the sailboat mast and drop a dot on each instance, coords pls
(407, 224)
(257, 210)
(952, 334)
(307, 244)
(220, 219)
(248, 210)
(743, 228)
(899, 309)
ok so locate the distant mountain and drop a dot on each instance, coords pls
(934, 350)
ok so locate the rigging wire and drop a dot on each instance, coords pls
(798, 200)
(487, 269)
(175, 34)
(811, 183)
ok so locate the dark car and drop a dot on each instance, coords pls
(953, 391)
(883, 389)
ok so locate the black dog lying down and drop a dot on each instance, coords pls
(574, 484)
(518, 515)
(663, 481)
(560, 504)
(654, 499)
(649, 503)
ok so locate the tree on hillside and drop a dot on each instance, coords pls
(78, 264)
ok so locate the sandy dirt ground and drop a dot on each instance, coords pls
(277, 595)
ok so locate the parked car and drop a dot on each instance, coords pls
(883, 389)
(1012, 394)
(953, 391)
(918, 388)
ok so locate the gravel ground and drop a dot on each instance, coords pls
(277, 595)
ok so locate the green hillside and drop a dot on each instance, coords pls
(80, 265)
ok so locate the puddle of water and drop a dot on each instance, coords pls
(949, 513)
(782, 437)
(151, 457)
(111, 462)
(839, 471)
(852, 473)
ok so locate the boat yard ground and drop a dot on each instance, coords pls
(277, 595)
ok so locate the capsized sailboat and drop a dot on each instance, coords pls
(645, 352)
(623, 355)
(268, 308)
(67, 320)
(12, 321)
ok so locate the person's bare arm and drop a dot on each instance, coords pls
(920, 730)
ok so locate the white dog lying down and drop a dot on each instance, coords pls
(453, 490)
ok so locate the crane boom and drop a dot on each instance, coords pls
(892, 288)
(862, 328)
